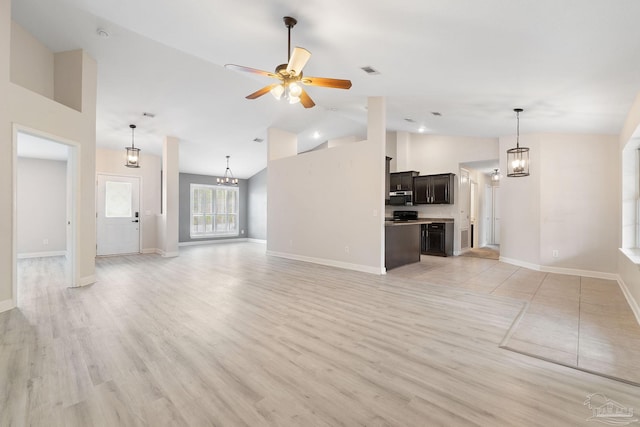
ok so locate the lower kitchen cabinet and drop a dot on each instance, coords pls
(437, 239)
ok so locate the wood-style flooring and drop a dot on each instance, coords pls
(226, 336)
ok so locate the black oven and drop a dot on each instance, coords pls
(401, 198)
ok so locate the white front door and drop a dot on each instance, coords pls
(118, 215)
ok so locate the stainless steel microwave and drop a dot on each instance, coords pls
(401, 198)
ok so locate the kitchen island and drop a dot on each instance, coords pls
(402, 240)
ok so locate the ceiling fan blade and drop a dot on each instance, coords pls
(325, 82)
(250, 70)
(259, 93)
(298, 60)
(306, 100)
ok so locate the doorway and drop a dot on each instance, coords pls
(45, 206)
(117, 215)
(492, 215)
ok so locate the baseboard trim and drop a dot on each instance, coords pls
(41, 254)
(630, 300)
(257, 240)
(170, 254)
(85, 281)
(561, 270)
(212, 242)
(149, 251)
(7, 305)
(328, 262)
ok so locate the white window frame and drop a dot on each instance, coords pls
(194, 234)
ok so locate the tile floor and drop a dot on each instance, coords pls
(580, 322)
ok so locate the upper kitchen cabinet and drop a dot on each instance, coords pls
(433, 189)
(402, 181)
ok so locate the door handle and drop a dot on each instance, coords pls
(135, 220)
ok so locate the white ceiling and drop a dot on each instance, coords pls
(573, 65)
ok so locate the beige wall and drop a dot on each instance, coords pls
(32, 64)
(32, 112)
(112, 162)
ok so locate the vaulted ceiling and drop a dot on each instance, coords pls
(573, 65)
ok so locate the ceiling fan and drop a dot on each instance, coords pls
(290, 75)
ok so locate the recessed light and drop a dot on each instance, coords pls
(408, 120)
(316, 134)
(422, 129)
(435, 113)
(150, 115)
(258, 140)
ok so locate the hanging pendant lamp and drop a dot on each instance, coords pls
(496, 175)
(133, 153)
(518, 158)
(228, 178)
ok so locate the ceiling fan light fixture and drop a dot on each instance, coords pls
(295, 90)
(277, 91)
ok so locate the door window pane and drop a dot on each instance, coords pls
(117, 202)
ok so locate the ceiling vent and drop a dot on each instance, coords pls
(258, 140)
(370, 70)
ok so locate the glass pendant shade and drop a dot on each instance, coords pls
(518, 157)
(133, 153)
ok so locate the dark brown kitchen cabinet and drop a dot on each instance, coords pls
(433, 189)
(387, 178)
(402, 181)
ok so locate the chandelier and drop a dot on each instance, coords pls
(228, 178)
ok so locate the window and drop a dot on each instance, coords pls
(214, 211)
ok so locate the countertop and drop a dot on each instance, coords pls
(389, 222)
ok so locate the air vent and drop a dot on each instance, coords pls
(258, 140)
(151, 115)
(370, 70)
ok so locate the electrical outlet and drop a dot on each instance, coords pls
(554, 253)
(346, 249)
(45, 241)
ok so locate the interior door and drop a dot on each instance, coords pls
(118, 207)
(496, 215)
(464, 200)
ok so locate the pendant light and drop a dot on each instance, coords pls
(133, 153)
(495, 176)
(228, 178)
(518, 158)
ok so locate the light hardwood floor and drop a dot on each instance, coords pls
(224, 335)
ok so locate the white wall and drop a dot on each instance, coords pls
(24, 109)
(569, 203)
(112, 162)
(325, 202)
(628, 143)
(579, 201)
(41, 207)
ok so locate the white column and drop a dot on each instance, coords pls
(376, 134)
(168, 232)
